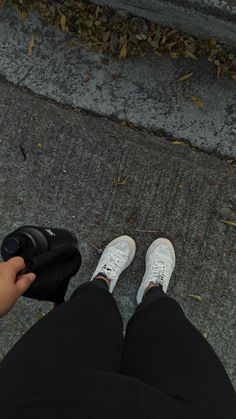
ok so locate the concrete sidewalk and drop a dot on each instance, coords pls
(69, 179)
(142, 91)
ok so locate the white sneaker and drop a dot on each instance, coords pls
(115, 258)
(160, 263)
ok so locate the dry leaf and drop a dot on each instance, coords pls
(195, 297)
(63, 23)
(123, 51)
(218, 71)
(114, 41)
(229, 222)
(31, 45)
(177, 142)
(119, 181)
(190, 54)
(212, 42)
(198, 102)
(156, 40)
(173, 55)
(231, 57)
(89, 23)
(185, 77)
(24, 15)
(106, 36)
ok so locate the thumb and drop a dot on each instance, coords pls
(24, 282)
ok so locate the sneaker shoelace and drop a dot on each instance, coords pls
(158, 272)
(112, 264)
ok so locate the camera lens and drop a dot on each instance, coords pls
(12, 246)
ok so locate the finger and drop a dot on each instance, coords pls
(24, 282)
(17, 264)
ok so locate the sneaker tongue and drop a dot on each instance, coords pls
(107, 269)
(114, 261)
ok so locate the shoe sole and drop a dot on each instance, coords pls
(151, 248)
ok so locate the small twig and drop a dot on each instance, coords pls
(217, 183)
(36, 159)
(109, 81)
(155, 231)
(99, 250)
(188, 126)
(114, 136)
(147, 231)
(23, 151)
(95, 43)
(233, 207)
(83, 45)
(219, 291)
(163, 203)
(74, 42)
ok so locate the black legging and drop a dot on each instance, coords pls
(161, 347)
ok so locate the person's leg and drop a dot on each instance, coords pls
(84, 333)
(165, 350)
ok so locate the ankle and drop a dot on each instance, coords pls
(151, 285)
(103, 278)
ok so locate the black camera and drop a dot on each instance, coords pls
(51, 253)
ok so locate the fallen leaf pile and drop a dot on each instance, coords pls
(119, 33)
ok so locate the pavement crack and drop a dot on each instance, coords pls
(23, 78)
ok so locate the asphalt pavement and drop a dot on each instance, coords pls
(100, 179)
